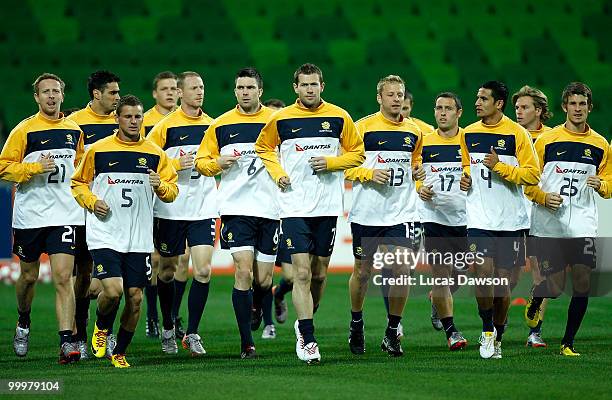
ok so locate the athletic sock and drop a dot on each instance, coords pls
(165, 291)
(258, 295)
(537, 329)
(113, 316)
(357, 320)
(575, 313)
(266, 305)
(81, 314)
(487, 319)
(179, 291)
(386, 273)
(282, 288)
(306, 327)
(392, 324)
(124, 338)
(65, 337)
(449, 326)
(106, 321)
(500, 332)
(242, 301)
(24, 319)
(151, 295)
(198, 295)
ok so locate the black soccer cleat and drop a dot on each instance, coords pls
(356, 341)
(178, 328)
(152, 329)
(256, 318)
(248, 352)
(391, 344)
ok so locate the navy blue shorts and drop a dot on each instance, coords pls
(134, 268)
(313, 235)
(29, 244)
(444, 238)
(250, 233)
(555, 254)
(81, 253)
(501, 246)
(170, 235)
(402, 235)
(282, 255)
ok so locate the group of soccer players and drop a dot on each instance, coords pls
(146, 183)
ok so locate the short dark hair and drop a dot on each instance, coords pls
(274, 103)
(47, 75)
(499, 91)
(307, 69)
(450, 95)
(162, 75)
(128, 100)
(577, 88)
(184, 75)
(250, 72)
(98, 81)
(408, 96)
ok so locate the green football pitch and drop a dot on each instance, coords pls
(427, 370)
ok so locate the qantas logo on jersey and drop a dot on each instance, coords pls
(312, 147)
(243, 153)
(569, 171)
(445, 169)
(60, 156)
(472, 161)
(125, 181)
(389, 160)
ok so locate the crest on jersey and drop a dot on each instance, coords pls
(99, 268)
(69, 139)
(359, 251)
(473, 247)
(142, 161)
(289, 243)
(164, 247)
(407, 140)
(230, 237)
(501, 143)
(587, 152)
(325, 125)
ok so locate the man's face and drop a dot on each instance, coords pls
(485, 104)
(309, 89)
(165, 94)
(577, 109)
(391, 98)
(130, 121)
(108, 97)
(526, 112)
(406, 108)
(247, 92)
(192, 93)
(446, 113)
(49, 97)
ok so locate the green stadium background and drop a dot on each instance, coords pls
(434, 45)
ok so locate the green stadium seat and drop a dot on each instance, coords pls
(137, 30)
(159, 8)
(347, 53)
(269, 53)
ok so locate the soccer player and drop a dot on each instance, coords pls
(317, 141)
(97, 121)
(497, 158)
(531, 107)
(283, 260)
(249, 230)
(126, 170)
(383, 207)
(442, 209)
(575, 166)
(188, 220)
(39, 155)
(165, 95)
(407, 105)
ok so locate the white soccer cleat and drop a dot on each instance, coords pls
(299, 342)
(487, 344)
(311, 353)
(168, 341)
(497, 352)
(21, 341)
(111, 342)
(269, 332)
(400, 331)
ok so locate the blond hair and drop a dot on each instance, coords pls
(539, 100)
(389, 79)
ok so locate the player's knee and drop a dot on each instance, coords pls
(135, 297)
(318, 277)
(302, 276)
(202, 274)
(29, 276)
(265, 281)
(113, 292)
(243, 275)
(166, 271)
(62, 277)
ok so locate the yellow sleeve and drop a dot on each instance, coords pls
(12, 167)
(158, 136)
(352, 145)
(534, 192)
(528, 171)
(80, 150)
(360, 174)
(208, 153)
(82, 177)
(265, 147)
(167, 190)
(417, 153)
(604, 171)
(465, 154)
